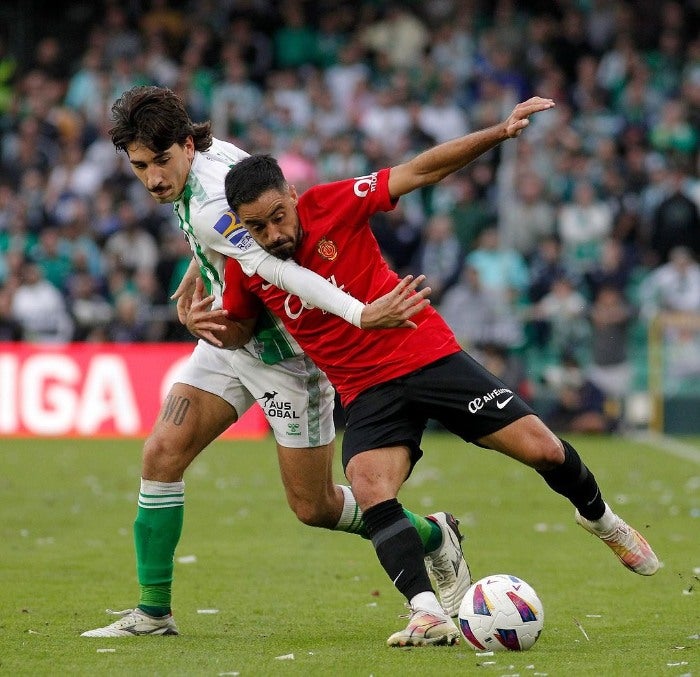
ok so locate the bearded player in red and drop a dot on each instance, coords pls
(392, 383)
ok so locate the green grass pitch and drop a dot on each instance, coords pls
(292, 600)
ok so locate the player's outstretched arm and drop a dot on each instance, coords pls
(389, 311)
(213, 326)
(436, 163)
(397, 307)
(311, 288)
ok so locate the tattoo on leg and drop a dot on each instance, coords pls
(175, 407)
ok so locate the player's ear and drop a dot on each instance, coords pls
(189, 147)
(293, 194)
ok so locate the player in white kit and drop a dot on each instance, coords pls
(179, 162)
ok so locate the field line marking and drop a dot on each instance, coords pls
(668, 445)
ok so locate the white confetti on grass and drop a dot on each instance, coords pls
(285, 657)
(544, 527)
(577, 623)
(106, 650)
(187, 559)
(207, 611)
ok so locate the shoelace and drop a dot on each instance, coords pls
(439, 571)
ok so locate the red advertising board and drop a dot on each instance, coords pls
(93, 390)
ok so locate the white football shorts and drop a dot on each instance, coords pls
(295, 394)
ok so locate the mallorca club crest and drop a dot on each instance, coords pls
(327, 249)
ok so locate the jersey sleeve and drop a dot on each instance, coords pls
(311, 288)
(242, 304)
(351, 201)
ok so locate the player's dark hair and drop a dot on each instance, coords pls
(155, 117)
(248, 179)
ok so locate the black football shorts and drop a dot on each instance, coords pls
(456, 391)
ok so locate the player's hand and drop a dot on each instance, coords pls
(185, 290)
(200, 320)
(519, 118)
(395, 308)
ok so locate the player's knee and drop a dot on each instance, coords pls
(314, 513)
(162, 460)
(368, 493)
(537, 446)
(553, 454)
(378, 476)
(547, 451)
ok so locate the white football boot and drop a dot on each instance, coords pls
(135, 622)
(426, 628)
(447, 564)
(627, 543)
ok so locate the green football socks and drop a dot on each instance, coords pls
(429, 531)
(157, 531)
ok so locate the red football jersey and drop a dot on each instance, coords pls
(338, 244)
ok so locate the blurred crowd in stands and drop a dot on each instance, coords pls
(559, 244)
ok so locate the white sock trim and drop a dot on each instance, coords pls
(607, 522)
(427, 601)
(154, 494)
(351, 516)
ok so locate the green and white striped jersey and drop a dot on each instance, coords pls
(212, 232)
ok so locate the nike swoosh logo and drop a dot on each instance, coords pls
(399, 576)
(597, 492)
(500, 405)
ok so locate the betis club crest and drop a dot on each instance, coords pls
(327, 249)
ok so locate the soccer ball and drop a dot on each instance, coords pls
(501, 612)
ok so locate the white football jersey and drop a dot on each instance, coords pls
(210, 228)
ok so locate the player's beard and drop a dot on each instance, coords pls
(284, 247)
(282, 250)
